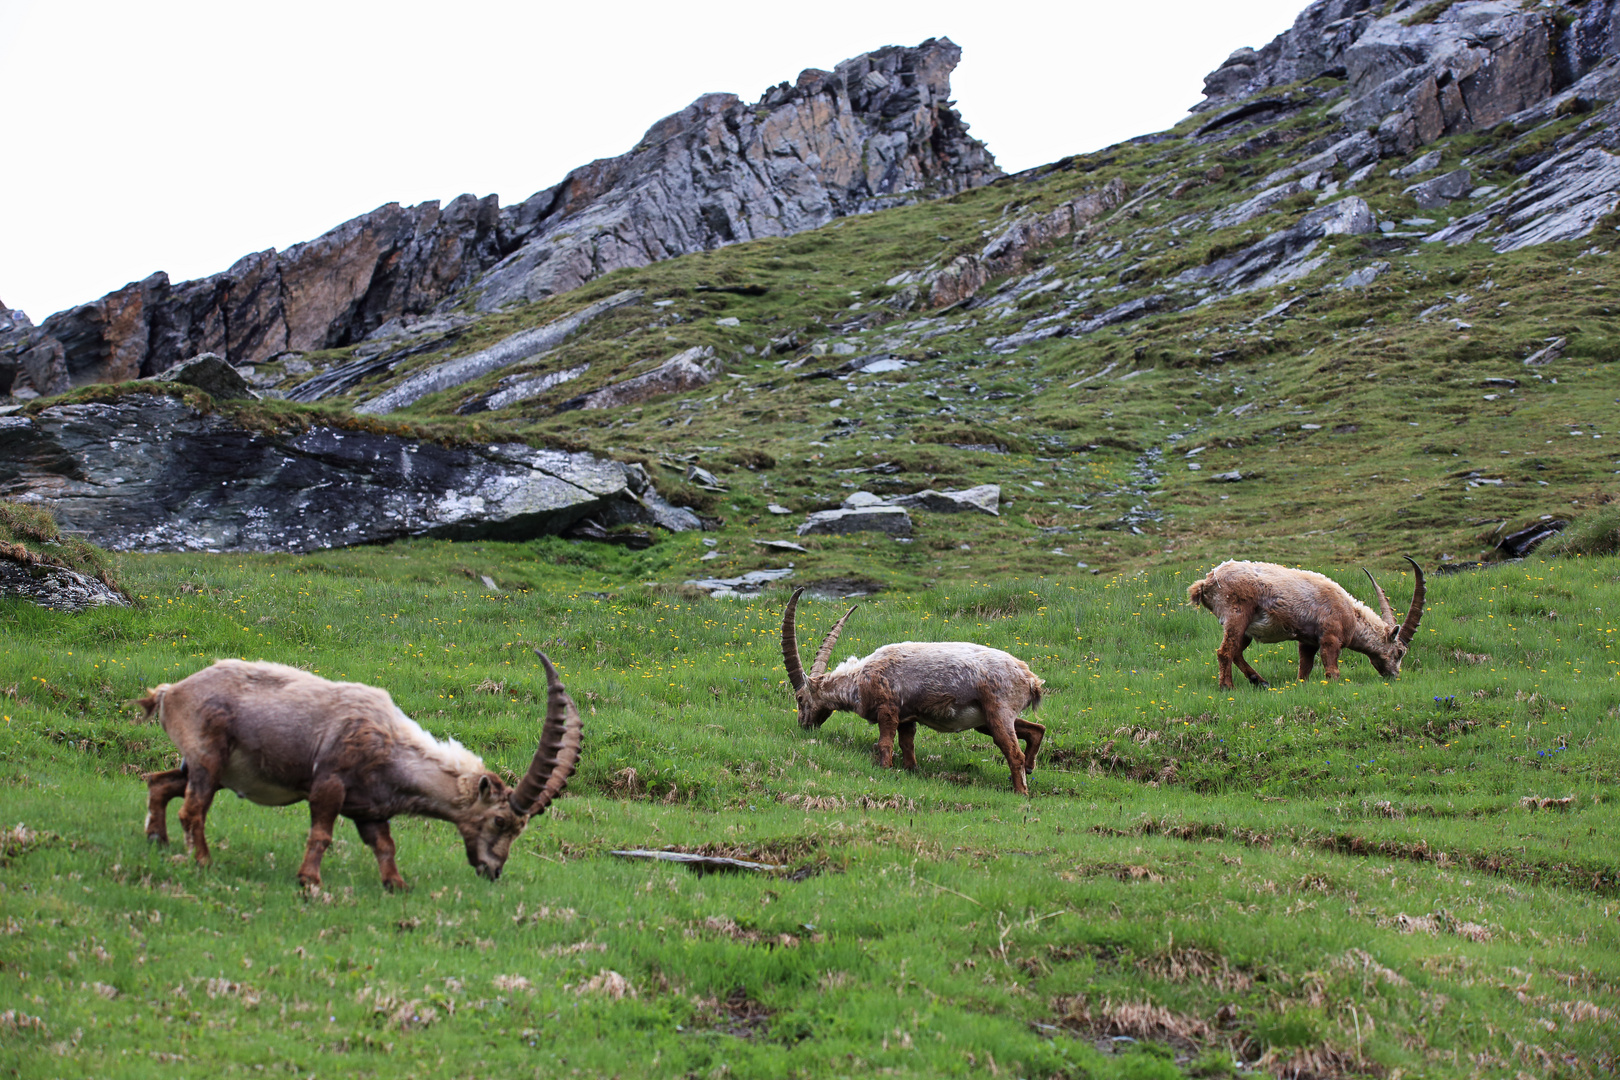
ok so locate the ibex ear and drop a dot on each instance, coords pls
(1394, 632)
(486, 788)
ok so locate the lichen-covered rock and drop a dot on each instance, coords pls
(212, 375)
(55, 587)
(145, 472)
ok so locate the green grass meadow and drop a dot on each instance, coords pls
(1416, 877)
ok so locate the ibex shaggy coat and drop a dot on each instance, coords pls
(1264, 602)
(277, 735)
(944, 685)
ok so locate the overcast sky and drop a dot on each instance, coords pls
(180, 136)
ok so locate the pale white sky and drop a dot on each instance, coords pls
(179, 135)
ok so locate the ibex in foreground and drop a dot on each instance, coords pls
(275, 735)
(944, 685)
(1264, 602)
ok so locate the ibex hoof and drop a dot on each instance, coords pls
(1261, 684)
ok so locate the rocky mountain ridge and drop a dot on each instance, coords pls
(879, 130)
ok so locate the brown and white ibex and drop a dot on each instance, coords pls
(1264, 602)
(944, 685)
(277, 735)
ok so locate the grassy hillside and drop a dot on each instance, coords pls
(1414, 877)
(1395, 417)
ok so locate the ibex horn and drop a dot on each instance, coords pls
(790, 643)
(1383, 601)
(1415, 613)
(558, 753)
(820, 666)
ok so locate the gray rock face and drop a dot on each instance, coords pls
(1477, 63)
(147, 473)
(30, 364)
(686, 370)
(525, 345)
(1562, 198)
(1285, 255)
(1433, 194)
(884, 519)
(55, 587)
(877, 131)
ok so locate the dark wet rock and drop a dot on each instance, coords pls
(884, 519)
(145, 472)
(1516, 545)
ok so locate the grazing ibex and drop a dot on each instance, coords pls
(275, 735)
(944, 685)
(1264, 602)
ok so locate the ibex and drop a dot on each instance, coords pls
(944, 685)
(275, 735)
(1264, 602)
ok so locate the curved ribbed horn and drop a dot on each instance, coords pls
(1415, 613)
(558, 753)
(790, 643)
(1383, 601)
(820, 666)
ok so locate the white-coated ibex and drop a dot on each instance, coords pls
(1258, 601)
(277, 735)
(944, 685)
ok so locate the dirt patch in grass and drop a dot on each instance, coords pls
(737, 1015)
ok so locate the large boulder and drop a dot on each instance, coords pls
(984, 499)
(146, 472)
(55, 587)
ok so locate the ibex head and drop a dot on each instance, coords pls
(1398, 637)
(498, 815)
(813, 711)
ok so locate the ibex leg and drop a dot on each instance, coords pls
(1001, 727)
(1307, 657)
(1032, 734)
(161, 789)
(888, 722)
(908, 744)
(325, 800)
(381, 843)
(1330, 657)
(202, 780)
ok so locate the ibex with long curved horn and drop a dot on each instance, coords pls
(277, 735)
(1264, 602)
(944, 685)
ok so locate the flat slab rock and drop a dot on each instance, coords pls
(146, 472)
(55, 587)
(985, 499)
(892, 520)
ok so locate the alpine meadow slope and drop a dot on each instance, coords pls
(1357, 305)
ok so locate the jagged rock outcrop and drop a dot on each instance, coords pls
(29, 364)
(146, 472)
(1416, 73)
(1285, 255)
(876, 131)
